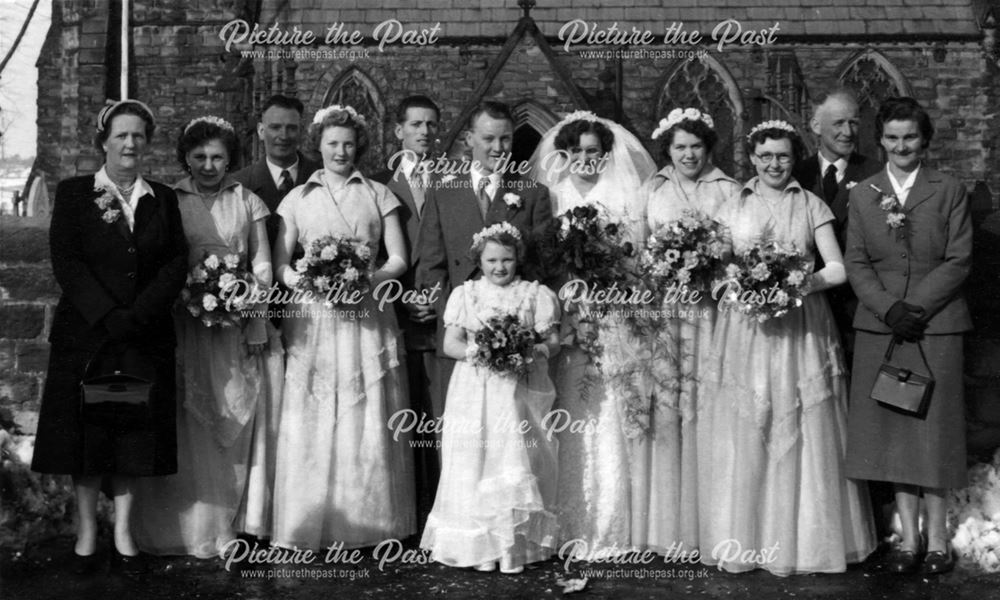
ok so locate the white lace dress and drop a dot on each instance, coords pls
(775, 494)
(594, 485)
(498, 480)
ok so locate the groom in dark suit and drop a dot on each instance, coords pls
(457, 207)
(830, 174)
(283, 166)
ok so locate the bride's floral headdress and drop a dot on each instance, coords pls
(479, 239)
(325, 112)
(776, 124)
(211, 120)
(579, 115)
(682, 114)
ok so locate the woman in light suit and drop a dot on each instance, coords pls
(909, 249)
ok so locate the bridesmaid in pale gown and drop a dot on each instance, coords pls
(593, 490)
(664, 468)
(228, 377)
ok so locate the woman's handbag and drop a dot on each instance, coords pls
(902, 389)
(119, 399)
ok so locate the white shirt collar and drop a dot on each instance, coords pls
(491, 187)
(902, 190)
(293, 171)
(840, 163)
(141, 188)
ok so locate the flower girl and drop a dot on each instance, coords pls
(498, 481)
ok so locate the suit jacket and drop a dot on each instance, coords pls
(451, 217)
(926, 266)
(257, 178)
(418, 335)
(859, 167)
(101, 266)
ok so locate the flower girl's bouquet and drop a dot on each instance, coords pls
(335, 268)
(218, 290)
(767, 281)
(504, 345)
(687, 253)
(974, 516)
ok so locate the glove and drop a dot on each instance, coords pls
(121, 324)
(906, 321)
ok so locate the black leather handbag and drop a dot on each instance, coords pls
(117, 398)
(902, 389)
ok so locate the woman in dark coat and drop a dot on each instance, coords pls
(909, 249)
(120, 257)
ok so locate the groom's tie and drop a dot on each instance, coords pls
(286, 184)
(483, 197)
(830, 185)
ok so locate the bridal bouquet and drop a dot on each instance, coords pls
(504, 345)
(217, 290)
(767, 281)
(687, 252)
(335, 268)
(588, 247)
(974, 516)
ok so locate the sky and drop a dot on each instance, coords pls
(19, 79)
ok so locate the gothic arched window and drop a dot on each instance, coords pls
(873, 79)
(354, 88)
(706, 85)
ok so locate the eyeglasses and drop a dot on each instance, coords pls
(767, 157)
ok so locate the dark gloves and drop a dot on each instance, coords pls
(906, 321)
(121, 324)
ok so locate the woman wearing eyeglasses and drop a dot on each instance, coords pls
(778, 498)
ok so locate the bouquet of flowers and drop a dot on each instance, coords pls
(687, 252)
(974, 516)
(504, 345)
(767, 281)
(335, 268)
(217, 290)
(588, 247)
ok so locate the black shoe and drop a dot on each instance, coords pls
(903, 561)
(939, 563)
(130, 566)
(85, 565)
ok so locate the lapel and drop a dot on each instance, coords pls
(401, 187)
(262, 184)
(499, 210)
(923, 188)
(147, 207)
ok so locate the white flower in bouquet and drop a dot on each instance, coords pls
(351, 274)
(212, 262)
(198, 275)
(328, 253)
(232, 261)
(210, 302)
(732, 271)
(364, 252)
(684, 276)
(671, 255)
(301, 265)
(781, 297)
(194, 310)
(760, 272)
(185, 294)
(226, 280)
(795, 277)
(322, 283)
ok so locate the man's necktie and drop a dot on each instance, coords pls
(484, 198)
(417, 189)
(286, 183)
(830, 184)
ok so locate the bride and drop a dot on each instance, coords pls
(587, 160)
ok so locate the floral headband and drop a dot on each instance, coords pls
(111, 105)
(682, 114)
(479, 239)
(579, 115)
(776, 124)
(211, 120)
(323, 113)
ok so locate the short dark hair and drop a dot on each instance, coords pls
(570, 133)
(695, 127)
(903, 109)
(415, 102)
(777, 133)
(125, 108)
(340, 118)
(496, 110)
(282, 101)
(201, 132)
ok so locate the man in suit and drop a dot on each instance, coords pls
(417, 120)
(458, 207)
(830, 174)
(283, 167)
